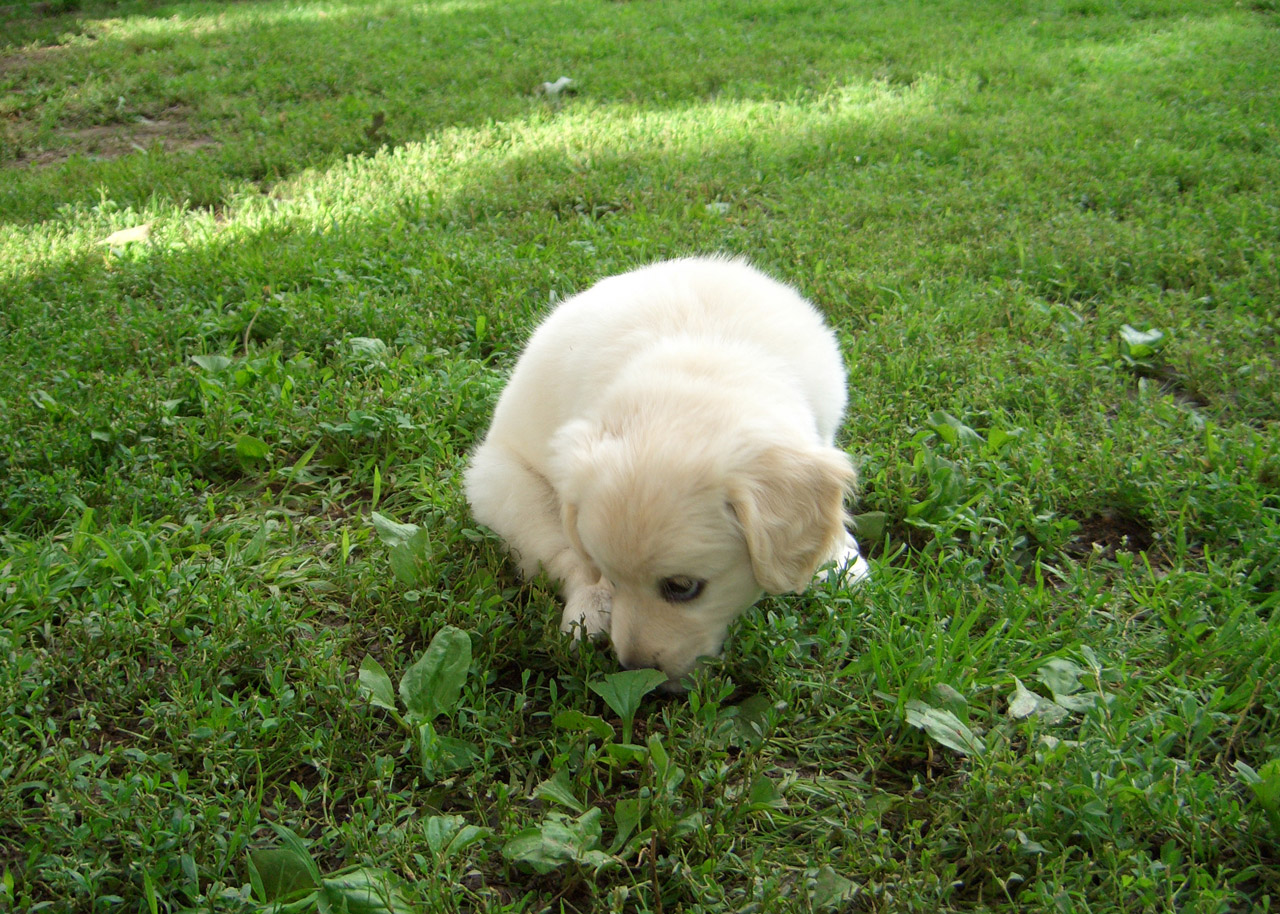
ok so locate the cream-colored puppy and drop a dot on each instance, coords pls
(664, 450)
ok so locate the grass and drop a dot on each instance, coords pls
(1047, 234)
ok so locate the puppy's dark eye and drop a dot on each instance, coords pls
(680, 589)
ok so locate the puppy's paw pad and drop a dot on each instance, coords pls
(586, 614)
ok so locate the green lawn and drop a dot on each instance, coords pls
(1047, 232)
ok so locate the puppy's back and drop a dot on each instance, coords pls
(591, 338)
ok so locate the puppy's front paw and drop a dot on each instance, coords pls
(586, 612)
(847, 566)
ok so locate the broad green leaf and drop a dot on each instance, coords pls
(251, 448)
(1063, 679)
(948, 488)
(411, 561)
(624, 691)
(589, 723)
(1079, 702)
(829, 889)
(669, 776)
(688, 825)
(751, 719)
(944, 727)
(466, 836)
(1140, 344)
(1024, 703)
(1268, 790)
(212, 363)
(627, 815)
(293, 843)
(366, 891)
(658, 753)
(556, 788)
(997, 438)
(587, 826)
(626, 753)
(433, 685)
(764, 795)
(1265, 784)
(392, 533)
(869, 527)
(948, 698)
(375, 684)
(952, 430)
(278, 873)
(255, 546)
(535, 850)
(449, 836)
(1026, 846)
(439, 831)
(443, 755)
(409, 548)
(367, 348)
(560, 840)
(42, 399)
(1061, 676)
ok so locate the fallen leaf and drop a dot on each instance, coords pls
(555, 89)
(126, 236)
(944, 727)
(1024, 703)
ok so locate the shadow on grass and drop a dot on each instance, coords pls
(270, 89)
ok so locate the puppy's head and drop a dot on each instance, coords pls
(689, 532)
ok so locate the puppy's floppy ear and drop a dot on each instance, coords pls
(579, 452)
(790, 503)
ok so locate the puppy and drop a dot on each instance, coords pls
(663, 449)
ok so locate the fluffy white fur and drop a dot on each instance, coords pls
(670, 426)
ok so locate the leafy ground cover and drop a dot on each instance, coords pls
(263, 266)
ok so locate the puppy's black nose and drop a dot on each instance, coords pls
(629, 663)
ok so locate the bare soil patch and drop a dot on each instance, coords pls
(16, 61)
(1106, 534)
(170, 131)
